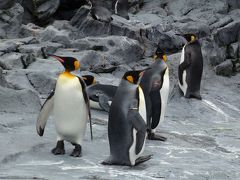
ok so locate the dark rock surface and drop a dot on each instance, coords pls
(225, 68)
(203, 136)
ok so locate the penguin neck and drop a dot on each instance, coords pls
(68, 74)
(127, 83)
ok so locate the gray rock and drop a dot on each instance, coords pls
(42, 10)
(46, 65)
(225, 68)
(212, 52)
(67, 9)
(40, 49)
(12, 61)
(228, 34)
(222, 22)
(233, 4)
(6, 4)
(18, 80)
(233, 50)
(124, 50)
(237, 67)
(149, 7)
(8, 46)
(42, 82)
(55, 35)
(3, 82)
(86, 25)
(19, 101)
(10, 22)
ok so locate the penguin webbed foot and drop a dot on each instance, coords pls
(77, 151)
(59, 149)
(193, 95)
(107, 161)
(157, 137)
(143, 159)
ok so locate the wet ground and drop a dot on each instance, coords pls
(203, 142)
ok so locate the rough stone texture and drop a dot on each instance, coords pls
(225, 68)
(18, 101)
(12, 61)
(233, 50)
(6, 4)
(11, 21)
(228, 34)
(41, 82)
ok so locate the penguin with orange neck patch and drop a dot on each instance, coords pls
(127, 128)
(155, 85)
(70, 106)
(191, 68)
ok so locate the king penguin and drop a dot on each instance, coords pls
(155, 85)
(70, 106)
(127, 128)
(191, 68)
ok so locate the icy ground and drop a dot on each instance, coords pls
(203, 142)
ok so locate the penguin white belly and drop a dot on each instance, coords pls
(70, 110)
(142, 111)
(184, 75)
(164, 92)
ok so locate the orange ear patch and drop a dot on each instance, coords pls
(164, 57)
(76, 65)
(130, 79)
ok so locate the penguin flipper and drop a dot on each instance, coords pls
(44, 114)
(86, 99)
(142, 159)
(186, 63)
(141, 127)
(103, 102)
(156, 105)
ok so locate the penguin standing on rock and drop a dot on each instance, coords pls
(155, 85)
(127, 128)
(191, 68)
(70, 105)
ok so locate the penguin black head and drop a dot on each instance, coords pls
(159, 54)
(69, 63)
(190, 37)
(133, 76)
(89, 80)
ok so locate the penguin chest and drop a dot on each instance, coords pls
(164, 92)
(142, 111)
(70, 110)
(183, 86)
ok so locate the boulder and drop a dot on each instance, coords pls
(87, 26)
(67, 9)
(233, 50)
(11, 21)
(18, 80)
(8, 46)
(117, 49)
(12, 61)
(6, 4)
(3, 82)
(225, 68)
(227, 34)
(19, 101)
(39, 11)
(233, 4)
(42, 82)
